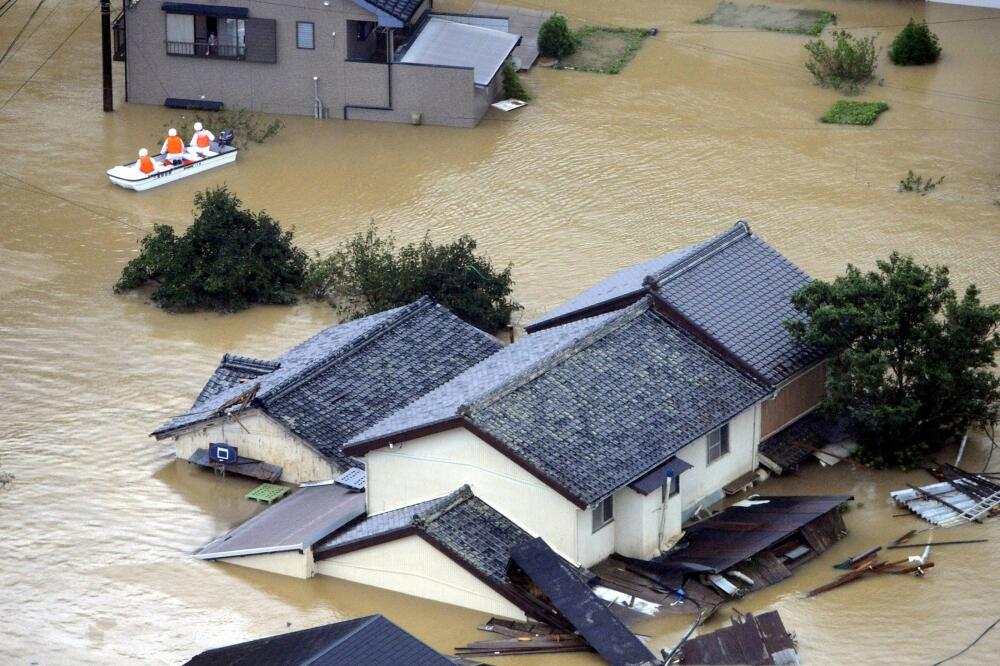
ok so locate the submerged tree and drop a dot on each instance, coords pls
(227, 260)
(555, 39)
(367, 274)
(911, 362)
(847, 63)
(915, 45)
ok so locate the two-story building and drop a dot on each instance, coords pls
(392, 60)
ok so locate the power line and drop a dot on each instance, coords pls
(21, 31)
(986, 631)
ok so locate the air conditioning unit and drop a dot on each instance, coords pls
(222, 453)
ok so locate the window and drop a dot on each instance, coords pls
(604, 513)
(305, 35)
(205, 36)
(675, 488)
(718, 443)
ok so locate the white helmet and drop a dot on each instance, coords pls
(172, 132)
(197, 127)
(143, 152)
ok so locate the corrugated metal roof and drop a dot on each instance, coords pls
(949, 493)
(453, 44)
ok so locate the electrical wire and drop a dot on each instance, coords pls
(966, 648)
(21, 31)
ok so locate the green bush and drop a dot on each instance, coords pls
(914, 45)
(248, 126)
(915, 183)
(845, 112)
(228, 259)
(367, 274)
(512, 86)
(555, 39)
(846, 64)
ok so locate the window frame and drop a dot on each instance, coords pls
(313, 35)
(603, 512)
(722, 445)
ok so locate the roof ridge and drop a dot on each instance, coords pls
(239, 361)
(461, 495)
(620, 319)
(362, 623)
(738, 231)
(310, 371)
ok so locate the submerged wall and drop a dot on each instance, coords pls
(297, 564)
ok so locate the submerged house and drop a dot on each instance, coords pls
(391, 60)
(298, 410)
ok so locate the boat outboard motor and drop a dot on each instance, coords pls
(225, 138)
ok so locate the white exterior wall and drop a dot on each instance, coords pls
(289, 563)
(637, 522)
(441, 463)
(264, 439)
(412, 566)
(702, 484)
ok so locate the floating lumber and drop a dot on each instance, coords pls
(851, 562)
(753, 640)
(898, 567)
(578, 605)
(255, 469)
(935, 545)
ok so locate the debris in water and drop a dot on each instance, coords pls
(959, 497)
(750, 640)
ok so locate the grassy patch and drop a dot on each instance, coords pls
(605, 50)
(846, 112)
(764, 17)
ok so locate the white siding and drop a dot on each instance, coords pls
(441, 463)
(412, 566)
(702, 484)
(289, 563)
(261, 438)
(637, 522)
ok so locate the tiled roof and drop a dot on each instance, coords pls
(344, 379)
(461, 524)
(601, 402)
(630, 397)
(233, 370)
(738, 289)
(372, 640)
(735, 287)
(509, 363)
(401, 9)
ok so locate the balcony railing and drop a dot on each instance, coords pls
(201, 49)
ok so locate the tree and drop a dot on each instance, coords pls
(847, 64)
(555, 39)
(366, 274)
(911, 363)
(914, 45)
(227, 260)
(512, 86)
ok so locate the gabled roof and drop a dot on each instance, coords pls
(372, 640)
(347, 377)
(462, 526)
(734, 288)
(587, 407)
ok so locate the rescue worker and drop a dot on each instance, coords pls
(145, 163)
(202, 139)
(173, 148)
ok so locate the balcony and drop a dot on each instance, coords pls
(201, 49)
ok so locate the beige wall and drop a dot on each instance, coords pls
(796, 398)
(261, 438)
(289, 563)
(702, 484)
(439, 464)
(412, 566)
(637, 522)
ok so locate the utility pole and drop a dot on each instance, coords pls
(109, 98)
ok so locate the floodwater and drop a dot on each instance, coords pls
(707, 125)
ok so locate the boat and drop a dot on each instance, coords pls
(220, 152)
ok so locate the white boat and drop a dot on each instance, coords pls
(219, 153)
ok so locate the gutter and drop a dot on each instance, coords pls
(251, 551)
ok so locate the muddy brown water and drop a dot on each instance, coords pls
(706, 125)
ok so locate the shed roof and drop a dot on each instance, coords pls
(461, 525)
(453, 44)
(372, 640)
(734, 288)
(347, 377)
(295, 523)
(400, 9)
(588, 407)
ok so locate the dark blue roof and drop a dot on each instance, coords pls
(372, 641)
(590, 406)
(347, 377)
(735, 288)
(400, 9)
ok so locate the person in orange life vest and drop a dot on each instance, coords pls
(173, 148)
(145, 162)
(202, 139)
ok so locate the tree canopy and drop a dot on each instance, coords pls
(915, 45)
(228, 259)
(367, 274)
(912, 363)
